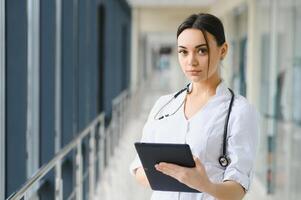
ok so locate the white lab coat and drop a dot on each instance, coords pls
(204, 133)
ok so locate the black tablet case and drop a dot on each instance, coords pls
(154, 153)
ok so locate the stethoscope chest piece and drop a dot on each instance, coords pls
(224, 161)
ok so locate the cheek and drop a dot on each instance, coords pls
(203, 60)
(214, 62)
(182, 62)
(214, 57)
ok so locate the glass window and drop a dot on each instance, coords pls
(295, 174)
(263, 29)
(287, 84)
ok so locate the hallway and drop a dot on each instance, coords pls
(78, 79)
(117, 182)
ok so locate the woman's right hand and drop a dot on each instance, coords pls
(141, 177)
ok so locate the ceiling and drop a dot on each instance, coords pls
(170, 3)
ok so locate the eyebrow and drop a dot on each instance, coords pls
(197, 46)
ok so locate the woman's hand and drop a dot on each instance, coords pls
(141, 177)
(195, 177)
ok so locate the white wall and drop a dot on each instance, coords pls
(246, 26)
(150, 23)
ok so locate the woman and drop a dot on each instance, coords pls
(197, 117)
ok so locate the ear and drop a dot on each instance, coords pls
(224, 50)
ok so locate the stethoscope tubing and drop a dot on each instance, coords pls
(223, 159)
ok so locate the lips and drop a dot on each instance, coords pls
(193, 71)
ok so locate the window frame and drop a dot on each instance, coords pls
(58, 74)
(33, 88)
(2, 100)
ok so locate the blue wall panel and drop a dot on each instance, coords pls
(95, 69)
(84, 87)
(47, 92)
(100, 53)
(83, 64)
(117, 15)
(93, 60)
(69, 88)
(16, 94)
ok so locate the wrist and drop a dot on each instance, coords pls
(209, 188)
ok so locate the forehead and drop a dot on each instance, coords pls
(192, 37)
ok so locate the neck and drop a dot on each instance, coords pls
(206, 88)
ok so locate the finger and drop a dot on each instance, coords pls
(168, 168)
(164, 169)
(175, 167)
(172, 170)
(197, 161)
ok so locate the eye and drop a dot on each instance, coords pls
(183, 52)
(202, 51)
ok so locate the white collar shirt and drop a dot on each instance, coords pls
(204, 134)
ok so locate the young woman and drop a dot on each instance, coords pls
(198, 117)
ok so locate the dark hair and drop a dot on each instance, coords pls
(206, 23)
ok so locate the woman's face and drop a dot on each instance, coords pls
(194, 56)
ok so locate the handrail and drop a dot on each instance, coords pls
(118, 110)
(111, 136)
(51, 164)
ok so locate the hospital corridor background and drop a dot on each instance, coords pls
(78, 79)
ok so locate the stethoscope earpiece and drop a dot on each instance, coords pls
(189, 88)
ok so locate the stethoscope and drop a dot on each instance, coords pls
(223, 160)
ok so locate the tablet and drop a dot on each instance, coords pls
(154, 153)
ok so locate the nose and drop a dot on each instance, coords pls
(192, 60)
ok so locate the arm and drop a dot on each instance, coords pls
(197, 178)
(242, 144)
(141, 177)
(226, 190)
(136, 168)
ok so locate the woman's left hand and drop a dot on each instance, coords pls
(195, 177)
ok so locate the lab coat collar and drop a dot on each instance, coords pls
(221, 89)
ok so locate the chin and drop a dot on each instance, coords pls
(196, 78)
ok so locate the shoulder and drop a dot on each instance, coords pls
(159, 103)
(243, 108)
(163, 99)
